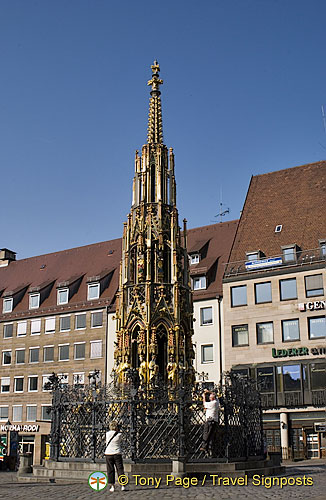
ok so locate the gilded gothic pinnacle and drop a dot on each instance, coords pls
(155, 128)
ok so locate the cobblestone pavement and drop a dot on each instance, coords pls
(10, 489)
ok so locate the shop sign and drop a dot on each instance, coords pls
(298, 351)
(20, 428)
(317, 305)
(258, 264)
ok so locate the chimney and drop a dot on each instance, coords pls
(6, 256)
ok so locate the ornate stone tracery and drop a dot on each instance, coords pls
(154, 308)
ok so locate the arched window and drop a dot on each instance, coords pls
(162, 350)
(134, 347)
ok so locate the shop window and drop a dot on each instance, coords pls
(263, 292)
(265, 333)
(314, 285)
(317, 327)
(318, 376)
(240, 336)
(207, 353)
(265, 379)
(288, 289)
(291, 377)
(241, 372)
(239, 296)
(206, 315)
(290, 330)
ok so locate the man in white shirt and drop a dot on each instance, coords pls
(211, 408)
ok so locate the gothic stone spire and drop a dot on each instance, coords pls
(155, 128)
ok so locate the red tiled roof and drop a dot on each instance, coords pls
(295, 198)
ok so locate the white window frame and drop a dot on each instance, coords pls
(91, 286)
(3, 356)
(48, 332)
(94, 312)
(6, 324)
(211, 344)
(62, 345)
(251, 256)
(22, 323)
(10, 301)
(96, 342)
(78, 374)
(66, 375)
(59, 291)
(33, 321)
(203, 277)
(5, 378)
(31, 296)
(45, 379)
(29, 355)
(15, 378)
(194, 259)
(45, 406)
(79, 343)
(3, 419)
(30, 406)
(51, 360)
(200, 316)
(65, 316)
(20, 349)
(29, 383)
(21, 417)
(80, 314)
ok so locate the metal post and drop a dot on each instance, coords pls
(182, 406)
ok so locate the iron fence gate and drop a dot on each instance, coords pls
(157, 423)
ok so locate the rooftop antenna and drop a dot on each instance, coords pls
(221, 212)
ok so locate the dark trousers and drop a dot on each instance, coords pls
(208, 434)
(111, 461)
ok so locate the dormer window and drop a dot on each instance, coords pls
(93, 291)
(8, 305)
(34, 300)
(194, 258)
(289, 253)
(199, 283)
(322, 246)
(256, 255)
(63, 296)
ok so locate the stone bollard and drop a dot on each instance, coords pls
(178, 468)
(25, 464)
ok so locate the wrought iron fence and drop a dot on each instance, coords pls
(157, 423)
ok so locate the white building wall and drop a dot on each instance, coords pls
(110, 344)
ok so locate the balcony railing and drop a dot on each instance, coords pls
(302, 258)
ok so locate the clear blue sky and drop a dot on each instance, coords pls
(244, 81)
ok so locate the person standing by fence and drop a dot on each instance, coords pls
(113, 454)
(211, 407)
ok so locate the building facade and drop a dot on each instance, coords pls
(274, 305)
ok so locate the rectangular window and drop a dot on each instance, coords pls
(32, 383)
(64, 323)
(20, 356)
(46, 413)
(7, 305)
(207, 353)
(4, 412)
(290, 330)
(199, 283)
(21, 328)
(322, 246)
(64, 352)
(252, 256)
(17, 413)
(8, 330)
(314, 285)
(34, 353)
(288, 289)
(80, 351)
(5, 384)
(64, 378)
(289, 254)
(34, 300)
(80, 321)
(48, 353)
(79, 379)
(96, 349)
(239, 296)
(240, 335)
(45, 380)
(265, 379)
(317, 327)
(19, 384)
(93, 291)
(206, 315)
(49, 325)
(265, 333)
(318, 376)
(6, 357)
(263, 292)
(63, 296)
(194, 258)
(31, 411)
(96, 319)
(291, 377)
(35, 327)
